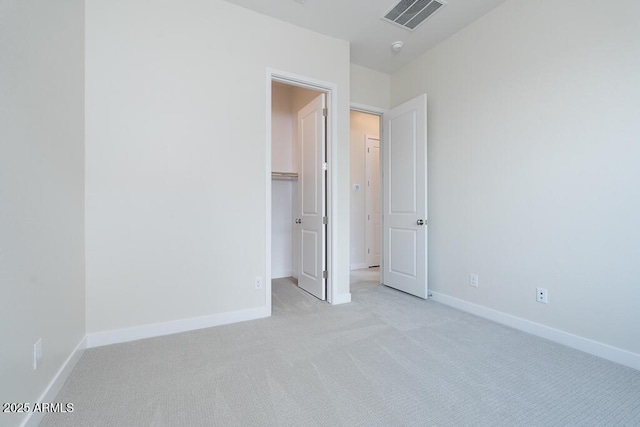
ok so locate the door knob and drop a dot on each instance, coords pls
(420, 222)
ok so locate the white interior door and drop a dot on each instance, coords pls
(373, 201)
(311, 198)
(404, 176)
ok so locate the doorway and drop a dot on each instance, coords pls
(366, 192)
(402, 159)
(300, 137)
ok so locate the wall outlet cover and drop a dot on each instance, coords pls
(541, 295)
(474, 280)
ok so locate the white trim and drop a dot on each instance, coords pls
(116, 336)
(368, 109)
(331, 89)
(281, 274)
(342, 298)
(359, 266)
(268, 168)
(332, 200)
(586, 345)
(49, 394)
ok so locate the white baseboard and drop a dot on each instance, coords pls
(359, 266)
(98, 339)
(586, 345)
(341, 299)
(50, 393)
(281, 274)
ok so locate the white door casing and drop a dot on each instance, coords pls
(404, 176)
(373, 201)
(311, 197)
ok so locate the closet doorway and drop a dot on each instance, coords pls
(300, 185)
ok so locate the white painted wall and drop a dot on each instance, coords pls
(175, 155)
(533, 163)
(361, 125)
(41, 193)
(369, 87)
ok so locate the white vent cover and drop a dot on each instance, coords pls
(411, 13)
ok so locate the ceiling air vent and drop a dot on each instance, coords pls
(411, 13)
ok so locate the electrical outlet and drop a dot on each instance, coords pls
(473, 280)
(258, 283)
(541, 295)
(37, 353)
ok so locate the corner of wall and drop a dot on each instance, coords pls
(56, 383)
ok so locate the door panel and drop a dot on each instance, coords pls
(309, 260)
(402, 164)
(404, 172)
(311, 198)
(310, 179)
(399, 241)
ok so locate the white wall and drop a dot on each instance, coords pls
(362, 124)
(41, 193)
(176, 148)
(369, 87)
(533, 163)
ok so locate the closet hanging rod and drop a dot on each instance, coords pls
(291, 175)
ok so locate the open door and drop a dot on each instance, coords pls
(404, 176)
(373, 202)
(311, 198)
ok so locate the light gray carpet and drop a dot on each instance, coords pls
(385, 359)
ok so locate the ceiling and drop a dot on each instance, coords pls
(358, 21)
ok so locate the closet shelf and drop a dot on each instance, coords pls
(284, 175)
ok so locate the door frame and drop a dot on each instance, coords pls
(331, 90)
(375, 111)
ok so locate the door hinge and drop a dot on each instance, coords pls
(325, 220)
(325, 274)
(325, 112)
(368, 251)
(324, 166)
